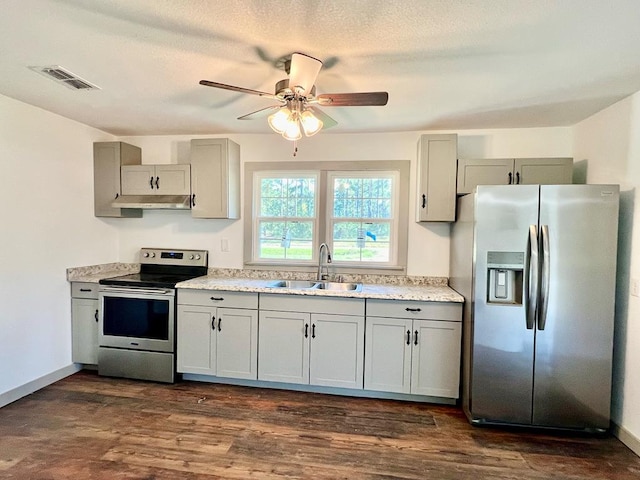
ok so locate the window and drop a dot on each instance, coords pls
(359, 209)
(286, 217)
(362, 215)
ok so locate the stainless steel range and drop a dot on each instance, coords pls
(137, 315)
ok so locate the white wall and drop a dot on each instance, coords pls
(46, 193)
(428, 243)
(609, 142)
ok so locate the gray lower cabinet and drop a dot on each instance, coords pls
(510, 171)
(413, 348)
(436, 189)
(217, 333)
(311, 340)
(215, 178)
(84, 323)
(108, 158)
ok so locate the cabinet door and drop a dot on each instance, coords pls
(84, 326)
(215, 178)
(137, 179)
(173, 179)
(435, 365)
(283, 353)
(437, 155)
(237, 343)
(196, 340)
(491, 171)
(387, 360)
(337, 351)
(107, 160)
(543, 171)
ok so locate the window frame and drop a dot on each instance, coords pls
(250, 169)
(393, 221)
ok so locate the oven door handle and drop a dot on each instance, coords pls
(138, 291)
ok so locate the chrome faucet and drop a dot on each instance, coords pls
(323, 265)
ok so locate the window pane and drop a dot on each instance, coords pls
(361, 242)
(285, 240)
(287, 197)
(362, 197)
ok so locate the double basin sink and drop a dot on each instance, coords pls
(317, 285)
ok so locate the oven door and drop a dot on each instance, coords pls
(137, 318)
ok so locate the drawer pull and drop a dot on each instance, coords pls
(408, 337)
(86, 290)
(217, 299)
(413, 309)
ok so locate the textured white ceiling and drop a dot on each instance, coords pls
(447, 64)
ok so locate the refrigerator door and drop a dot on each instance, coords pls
(574, 341)
(501, 354)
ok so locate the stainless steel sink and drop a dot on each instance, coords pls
(340, 286)
(294, 284)
(304, 284)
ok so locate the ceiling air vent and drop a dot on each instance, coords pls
(65, 77)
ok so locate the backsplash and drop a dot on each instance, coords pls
(356, 278)
(95, 272)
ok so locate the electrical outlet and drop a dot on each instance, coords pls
(635, 287)
(224, 245)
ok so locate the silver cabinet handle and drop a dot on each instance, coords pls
(546, 272)
(531, 277)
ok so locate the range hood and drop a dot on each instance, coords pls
(166, 202)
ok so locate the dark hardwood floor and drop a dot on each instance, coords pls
(90, 427)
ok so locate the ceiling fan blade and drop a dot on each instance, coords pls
(327, 121)
(303, 73)
(353, 99)
(263, 112)
(224, 86)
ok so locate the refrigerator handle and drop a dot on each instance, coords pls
(532, 282)
(546, 272)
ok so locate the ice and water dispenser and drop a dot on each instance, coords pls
(504, 277)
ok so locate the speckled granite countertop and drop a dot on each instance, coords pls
(426, 289)
(95, 273)
(425, 293)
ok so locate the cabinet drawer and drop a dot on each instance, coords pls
(217, 298)
(84, 290)
(312, 304)
(413, 309)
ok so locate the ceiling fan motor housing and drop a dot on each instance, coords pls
(283, 90)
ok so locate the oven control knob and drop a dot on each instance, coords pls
(191, 257)
(197, 256)
(145, 254)
(153, 255)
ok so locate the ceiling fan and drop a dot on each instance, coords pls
(297, 109)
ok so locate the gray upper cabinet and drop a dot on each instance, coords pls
(510, 171)
(169, 179)
(215, 178)
(436, 190)
(108, 157)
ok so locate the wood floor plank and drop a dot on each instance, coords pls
(91, 427)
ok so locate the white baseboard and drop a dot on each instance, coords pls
(28, 388)
(626, 437)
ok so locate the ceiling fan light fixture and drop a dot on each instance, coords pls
(310, 123)
(279, 121)
(293, 131)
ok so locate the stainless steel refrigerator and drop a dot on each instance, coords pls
(537, 267)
